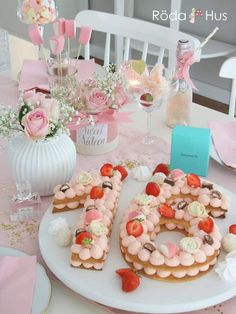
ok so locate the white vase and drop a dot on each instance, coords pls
(43, 163)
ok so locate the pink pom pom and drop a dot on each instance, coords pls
(134, 214)
(85, 35)
(169, 249)
(176, 174)
(57, 44)
(59, 27)
(34, 35)
(70, 28)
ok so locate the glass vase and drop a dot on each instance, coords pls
(40, 12)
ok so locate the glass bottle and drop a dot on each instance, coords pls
(4, 53)
(25, 205)
(179, 103)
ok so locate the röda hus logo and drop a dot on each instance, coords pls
(192, 17)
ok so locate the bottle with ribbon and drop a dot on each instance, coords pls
(179, 103)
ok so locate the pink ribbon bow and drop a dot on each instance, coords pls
(110, 116)
(183, 68)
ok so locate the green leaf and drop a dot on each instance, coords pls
(23, 111)
(53, 132)
(87, 241)
(139, 66)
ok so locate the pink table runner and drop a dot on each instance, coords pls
(224, 137)
(24, 236)
(38, 79)
(17, 276)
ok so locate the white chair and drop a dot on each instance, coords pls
(148, 33)
(228, 70)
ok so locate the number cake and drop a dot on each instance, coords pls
(173, 202)
(93, 230)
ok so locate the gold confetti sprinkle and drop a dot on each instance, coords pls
(16, 232)
(131, 164)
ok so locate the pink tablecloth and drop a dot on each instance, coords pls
(24, 236)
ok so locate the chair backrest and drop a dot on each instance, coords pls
(228, 70)
(148, 33)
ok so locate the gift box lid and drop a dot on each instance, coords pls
(190, 149)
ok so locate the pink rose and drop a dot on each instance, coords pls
(120, 96)
(98, 101)
(36, 124)
(51, 107)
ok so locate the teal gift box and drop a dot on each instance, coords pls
(190, 149)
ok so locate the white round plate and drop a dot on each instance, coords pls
(215, 156)
(152, 296)
(42, 291)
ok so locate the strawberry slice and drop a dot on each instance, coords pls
(106, 170)
(193, 180)
(232, 229)
(134, 228)
(130, 280)
(84, 238)
(166, 211)
(164, 168)
(96, 193)
(207, 225)
(122, 171)
(152, 189)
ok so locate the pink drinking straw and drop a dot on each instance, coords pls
(59, 27)
(70, 32)
(84, 38)
(36, 37)
(57, 45)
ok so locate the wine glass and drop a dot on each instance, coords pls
(157, 88)
(38, 12)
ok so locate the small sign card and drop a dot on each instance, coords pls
(190, 149)
(92, 135)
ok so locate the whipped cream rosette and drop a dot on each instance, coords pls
(92, 235)
(227, 268)
(175, 208)
(229, 242)
(178, 186)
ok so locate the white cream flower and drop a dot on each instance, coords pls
(84, 178)
(197, 209)
(190, 245)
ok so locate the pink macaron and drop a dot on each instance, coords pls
(93, 214)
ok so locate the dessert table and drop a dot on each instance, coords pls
(63, 300)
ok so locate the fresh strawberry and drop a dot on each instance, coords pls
(146, 97)
(164, 168)
(130, 280)
(96, 193)
(193, 180)
(106, 170)
(152, 189)
(232, 229)
(206, 225)
(166, 211)
(134, 228)
(122, 171)
(84, 238)
(122, 271)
